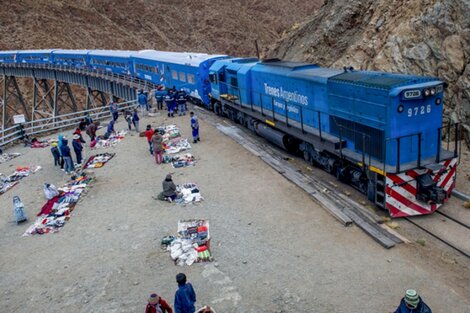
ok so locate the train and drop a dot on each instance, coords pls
(379, 132)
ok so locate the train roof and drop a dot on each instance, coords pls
(67, 51)
(35, 51)
(184, 58)
(112, 53)
(379, 80)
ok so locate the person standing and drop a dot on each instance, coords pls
(55, 153)
(412, 303)
(181, 100)
(195, 127)
(159, 96)
(149, 133)
(157, 305)
(113, 108)
(142, 100)
(59, 146)
(110, 130)
(77, 147)
(65, 150)
(169, 101)
(135, 120)
(185, 297)
(88, 119)
(91, 131)
(128, 117)
(157, 141)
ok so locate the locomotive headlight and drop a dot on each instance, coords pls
(438, 101)
(433, 91)
(427, 92)
(401, 108)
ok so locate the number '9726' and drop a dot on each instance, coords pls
(419, 110)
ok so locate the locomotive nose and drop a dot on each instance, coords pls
(428, 191)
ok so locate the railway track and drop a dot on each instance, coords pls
(345, 209)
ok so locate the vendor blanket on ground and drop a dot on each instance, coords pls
(192, 243)
(99, 160)
(180, 160)
(8, 156)
(188, 193)
(57, 210)
(112, 141)
(8, 182)
(172, 141)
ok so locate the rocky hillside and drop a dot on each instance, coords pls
(429, 37)
(215, 26)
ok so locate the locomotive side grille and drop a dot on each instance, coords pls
(353, 131)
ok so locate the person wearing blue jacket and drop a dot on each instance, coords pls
(59, 144)
(143, 102)
(181, 100)
(185, 297)
(169, 101)
(77, 147)
(65, 151)
(412, 303)
(159, 96)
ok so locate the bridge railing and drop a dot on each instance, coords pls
(50, 124)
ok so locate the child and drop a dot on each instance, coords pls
(149, 133)
(185, 296)
(55, 153)
(128, 117)
(156, 305)
(135, 120)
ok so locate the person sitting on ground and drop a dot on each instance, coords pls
(412, 303)
(185, 297)
(169, 190)
(157, 305)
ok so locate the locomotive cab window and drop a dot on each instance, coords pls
(213, 78)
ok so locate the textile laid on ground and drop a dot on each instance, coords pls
(188, 193)
(172, 141)
(181, 160)
(176, 145)
(58, 209)
(99, 160)
(40, 144)
(112, 141)
(8, 156)
(8, 182)
(192, 244)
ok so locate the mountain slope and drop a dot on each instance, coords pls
(427, 37)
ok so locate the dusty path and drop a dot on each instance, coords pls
(275, 249)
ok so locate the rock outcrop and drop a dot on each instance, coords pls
(425, 37)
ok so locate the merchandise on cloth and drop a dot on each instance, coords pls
(181, 160)
(169, 132)
(99, 160)
(188, 193)
(192, 243)
(176, 145)
(39, 144)
(8, 156)
(8, 182)
(112, 141)
(57, 210)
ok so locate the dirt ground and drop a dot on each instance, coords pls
(275, 249)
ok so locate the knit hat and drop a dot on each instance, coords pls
(153, 299)
(54, 144)
(412, 298)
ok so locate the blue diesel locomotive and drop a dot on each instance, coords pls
(378, 131)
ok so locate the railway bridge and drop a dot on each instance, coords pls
(48, 96)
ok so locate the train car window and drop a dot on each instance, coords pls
(222, 77)
(174, 74)
(191, 78)
(156, 69)
(213, 78)
(168, 68)
(234, 82)
(182, 76)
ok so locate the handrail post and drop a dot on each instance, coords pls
(438, 154)
(272, 106)
(419, 150)
(287, 114)
(340, 141)
(363, 152)
(319, 125)
(457, 135)
(398, 155)
(302, 120)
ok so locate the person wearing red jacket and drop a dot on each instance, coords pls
(157, 305)
(149, 133)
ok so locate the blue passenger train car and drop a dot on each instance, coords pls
(34, 57)
(8, 57)
(115, 61)
(72, 58)
(182, 70)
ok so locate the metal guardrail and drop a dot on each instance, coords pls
(14, 133)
